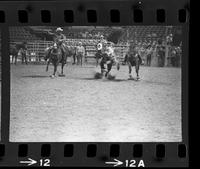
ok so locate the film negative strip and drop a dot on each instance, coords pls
(94, 83)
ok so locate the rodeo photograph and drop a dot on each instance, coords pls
(95, 83)
(0, 84)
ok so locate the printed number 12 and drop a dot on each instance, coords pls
(45, 162)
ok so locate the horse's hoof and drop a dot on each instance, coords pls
(98, 75)
(110, 77)
(130, 77)
(61, 75)
(138, 78)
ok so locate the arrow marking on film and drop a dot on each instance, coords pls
(115, 162)
(29, 162)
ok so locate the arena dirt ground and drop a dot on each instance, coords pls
(79, 108)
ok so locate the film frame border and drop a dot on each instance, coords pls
(11, 17)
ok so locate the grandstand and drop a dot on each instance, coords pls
(21, 34)
(146, 33)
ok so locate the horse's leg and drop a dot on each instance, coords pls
(62, 68)
(109, 67)
(81, 58)
(47, 67)
(130, 70)
(55, 69)
(102, 67)
(137, 70)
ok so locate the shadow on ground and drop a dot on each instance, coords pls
(105, 80)
(36, 76)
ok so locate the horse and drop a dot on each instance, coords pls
(55, 56)
(71, 51)
(133, 60)
(109, 61)
(14, 54)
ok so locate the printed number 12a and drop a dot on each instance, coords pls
(133, 163)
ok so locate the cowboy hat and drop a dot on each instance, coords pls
(59, 29)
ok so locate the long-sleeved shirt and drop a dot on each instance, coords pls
(57, 37)
(80, 50)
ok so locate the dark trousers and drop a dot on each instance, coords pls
(149, 60)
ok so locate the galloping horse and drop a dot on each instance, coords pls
(133, 60)
(55, 56)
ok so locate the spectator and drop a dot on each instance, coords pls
(149, 55)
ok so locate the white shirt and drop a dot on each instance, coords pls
(109, 51)
(80, 49)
